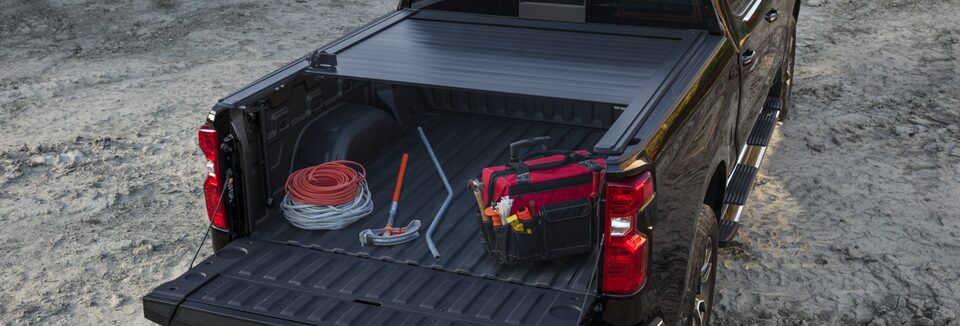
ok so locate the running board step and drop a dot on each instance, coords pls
(763, 128)
(738, 189)
(728, 231)
(773, 103)
(741, 181)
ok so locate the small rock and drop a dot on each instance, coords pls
(816, 147)
(151, 149)
(921, 165)
(955, 152)
(903, 131)
(71, 159)
(116, 301)
(36, 160)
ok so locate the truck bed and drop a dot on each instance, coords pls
(464, 145)
(284, 275)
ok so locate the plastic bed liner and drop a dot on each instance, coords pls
(464, 145)
(597, 63)
(258, 282)
(284, 275)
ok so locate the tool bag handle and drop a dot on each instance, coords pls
(516, 146)
(569, 157)
(545, 152)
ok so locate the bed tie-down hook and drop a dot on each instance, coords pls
(323, 60)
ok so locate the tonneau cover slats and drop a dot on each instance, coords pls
(508, 55)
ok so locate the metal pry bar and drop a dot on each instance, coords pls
(446, 202)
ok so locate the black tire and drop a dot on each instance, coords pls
(783, 87)
(702, 270)
(219, 239)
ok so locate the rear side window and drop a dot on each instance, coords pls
(483, 7)
(669, 13)
(674, 13)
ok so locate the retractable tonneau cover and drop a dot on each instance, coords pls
(254, 281)
(596, 63)
(630, 66)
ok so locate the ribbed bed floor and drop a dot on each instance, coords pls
(464, 146)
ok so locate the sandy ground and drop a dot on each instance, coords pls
(855, 218)
(856, 214)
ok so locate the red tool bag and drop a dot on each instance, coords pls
(554, 195)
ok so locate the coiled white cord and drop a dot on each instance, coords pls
(310, 217)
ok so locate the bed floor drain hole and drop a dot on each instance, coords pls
(368, 302)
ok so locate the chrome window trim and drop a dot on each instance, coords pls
(747, 12)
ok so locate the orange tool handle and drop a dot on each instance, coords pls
(524, 214)
(403, 169)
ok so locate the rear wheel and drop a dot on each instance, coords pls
(702, 271)
(784, 84)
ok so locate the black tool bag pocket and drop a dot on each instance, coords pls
(567, 228)
(512, 246)
(526, 242)
(487, 234)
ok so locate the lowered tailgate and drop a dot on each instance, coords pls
(259, 282)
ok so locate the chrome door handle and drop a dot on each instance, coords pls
(772, 15)
(747, 57)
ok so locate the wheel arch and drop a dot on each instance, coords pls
(715, 188)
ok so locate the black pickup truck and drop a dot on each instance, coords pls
(679, 96)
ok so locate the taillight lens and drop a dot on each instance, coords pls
(209, 144)
(625, 249)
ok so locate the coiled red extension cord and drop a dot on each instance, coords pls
(329, 184)
(328, 196)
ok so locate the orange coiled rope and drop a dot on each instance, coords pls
(328, 184)
(327, 196)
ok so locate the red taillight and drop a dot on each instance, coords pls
(209, 142)
(625, 249)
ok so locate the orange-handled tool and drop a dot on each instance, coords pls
(403, 170)
(524, 214)
(391, 236)
(493, 215)
(396, 193)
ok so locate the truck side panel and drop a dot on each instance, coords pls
(760, 29)
(692, 141)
